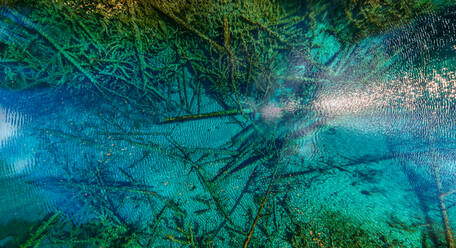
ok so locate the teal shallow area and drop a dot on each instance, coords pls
(358, 151)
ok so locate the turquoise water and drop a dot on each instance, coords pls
(363, 157)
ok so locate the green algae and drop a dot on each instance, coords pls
(143, 52)
(333, 229)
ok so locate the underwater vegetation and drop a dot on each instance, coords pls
(144, 175)
(354, 20)
(144, 51)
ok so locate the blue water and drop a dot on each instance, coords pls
(360, 151)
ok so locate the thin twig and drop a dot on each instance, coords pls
(255, 222)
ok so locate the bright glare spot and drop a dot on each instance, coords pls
(7, 130)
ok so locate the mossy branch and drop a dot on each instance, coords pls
(187, 26)
(29, 24)
(222, 113)
(36, 237)
(268, 30)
